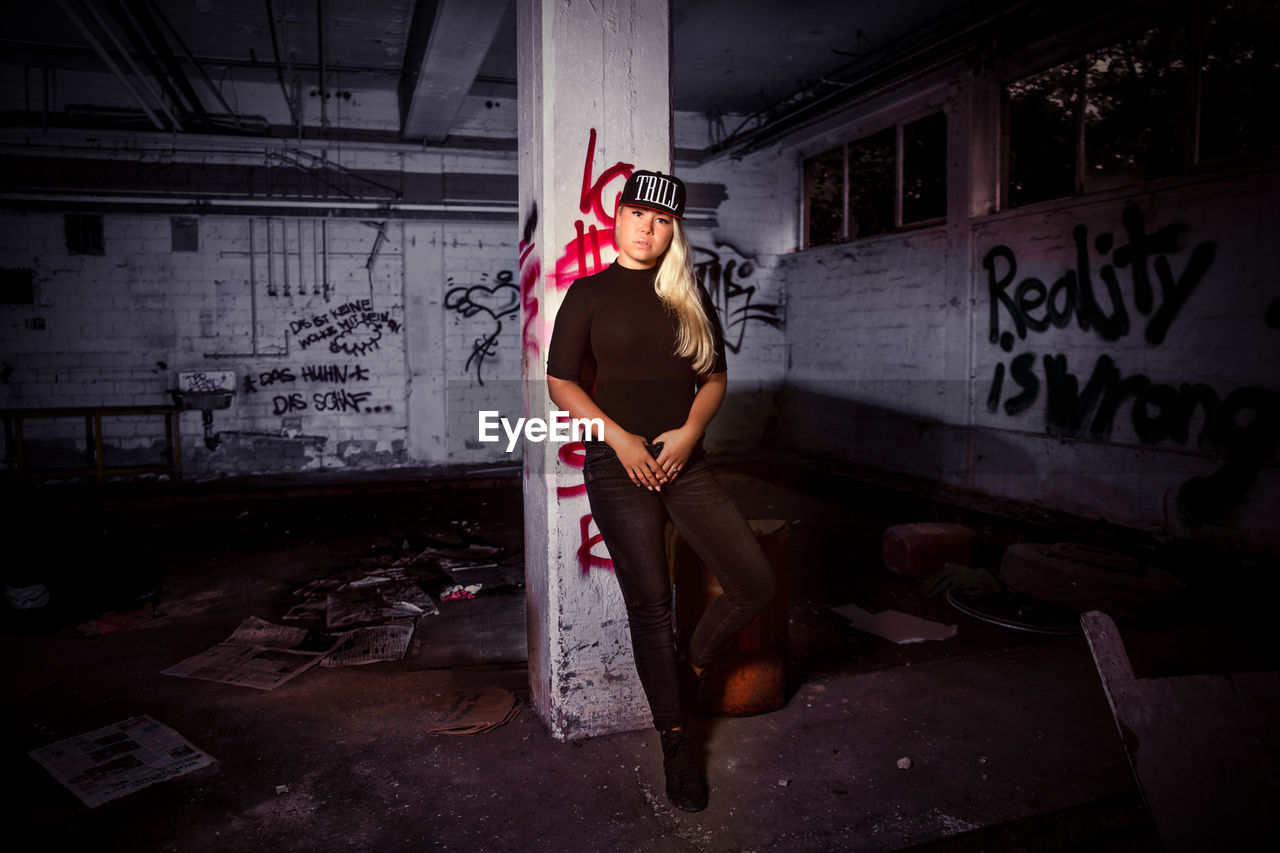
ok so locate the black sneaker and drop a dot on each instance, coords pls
(685, 788)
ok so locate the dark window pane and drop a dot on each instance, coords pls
(824, 197)
(84, 233)
(872, 184)
(1042, 135)
(1135, 111)
(924, 169)
(1241, 78)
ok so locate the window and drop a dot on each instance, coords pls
(877, 184)
(1149, 106)
(84, 233)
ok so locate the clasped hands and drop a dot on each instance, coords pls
(649, 471)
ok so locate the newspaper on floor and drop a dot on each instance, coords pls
(371, 645)
(258, 654)
(377, 598)
(311, 600)
(108, 763)
(896, 627)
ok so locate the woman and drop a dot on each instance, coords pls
(639, 346)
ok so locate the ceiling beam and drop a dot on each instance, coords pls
(447, 43)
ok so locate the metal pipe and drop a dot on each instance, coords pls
(324, 109)
(110, 63)
(253, 287)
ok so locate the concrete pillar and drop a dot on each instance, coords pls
(594, 105)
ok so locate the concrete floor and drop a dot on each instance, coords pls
(1012, 744)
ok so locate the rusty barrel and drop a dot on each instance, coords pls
(750, 675)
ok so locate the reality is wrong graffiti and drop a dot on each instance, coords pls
(1114, 288)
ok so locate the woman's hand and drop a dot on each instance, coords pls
(633, 453)
(677, 447)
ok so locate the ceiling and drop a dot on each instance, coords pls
(730, 56)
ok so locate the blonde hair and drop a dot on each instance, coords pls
(678, 289)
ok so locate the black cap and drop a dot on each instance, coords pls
(655, 191)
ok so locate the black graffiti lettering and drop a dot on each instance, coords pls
(1248, 423)
(292, 403)
(356, 347)
(1189, 397)
(272, 377)
(249, 387)
(1067, 408)
(1026, 378)
(1118, 390)
(314, 337)
(339, 400)
(1113, 326)
(296, 326)
(499, 302)
(1030, 295)
(334, 373)
(997, 296)
(997, 383)
(1060, 317)
(358, 307)
(733, 302)
(1142, 246)
(1175, 293)
(1154, 427)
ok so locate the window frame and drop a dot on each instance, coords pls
(864, 132)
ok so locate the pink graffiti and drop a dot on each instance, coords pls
(573, 454)
(588, 559)
(582, 253)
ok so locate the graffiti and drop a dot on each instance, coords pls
(336, 400)
(1244, 424)
(352, 328)
(498, 302)
(733, 302)
(1073, 292)
(340, 400)
(588, 559)
(530, 272)
(582, 254)
(574, 455)
(329, 373)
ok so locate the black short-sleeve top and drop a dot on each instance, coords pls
(614, 336)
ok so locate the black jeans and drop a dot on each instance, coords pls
(631, 519)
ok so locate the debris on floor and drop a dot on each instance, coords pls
(894, 626)
(372, 644)
(390, 594)
(108, 763)
(474, 713)
(958, 576)
(258, 654)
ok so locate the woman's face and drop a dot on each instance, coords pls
(642, 236)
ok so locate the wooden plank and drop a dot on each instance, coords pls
(1205, 748)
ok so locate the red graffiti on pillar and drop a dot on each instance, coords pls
(582, 254)
(573, 454)
(587, 559)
